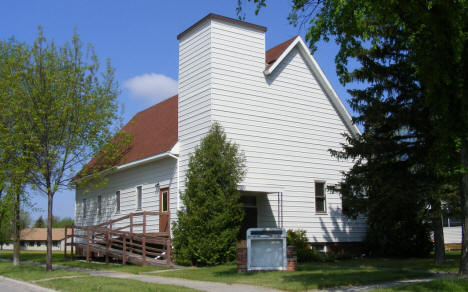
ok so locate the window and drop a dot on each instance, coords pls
(55, 243)
(117, 202)
(99, 205)
(38, 243)
(164, 201)
(139, 198)
(320, 197)
(85, 208)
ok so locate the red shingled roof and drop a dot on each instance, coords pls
(273, 54)
(155, 129)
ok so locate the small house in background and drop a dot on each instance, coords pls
(36, 239)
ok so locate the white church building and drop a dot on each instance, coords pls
(276, 104)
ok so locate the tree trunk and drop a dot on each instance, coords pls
(16, 231)
(463, 272)
(438, 228)
(49, 232)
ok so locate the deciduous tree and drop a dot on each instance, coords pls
(68, 107)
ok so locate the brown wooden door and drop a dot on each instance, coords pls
(164, 222)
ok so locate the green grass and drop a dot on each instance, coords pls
(303, 279)
(420, 264)
(30, 272)
(58, 259)
(449, 285)
(318, 275)
(104, 284)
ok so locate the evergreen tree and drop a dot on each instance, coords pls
(207, 227)
(39, 223)
(411, 57)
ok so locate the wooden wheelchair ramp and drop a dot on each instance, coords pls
(121, 243)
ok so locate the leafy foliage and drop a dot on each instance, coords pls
(299, 239)
(411, 58)
(60, 109)
(207, 228)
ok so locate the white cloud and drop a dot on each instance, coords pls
(151, 87)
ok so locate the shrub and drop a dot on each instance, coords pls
(207, 227)
(299, 239)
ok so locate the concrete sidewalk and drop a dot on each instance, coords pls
(12, 285)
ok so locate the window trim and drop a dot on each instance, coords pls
(139, 198)
(324, 196)
(117, 202)
(161, 200)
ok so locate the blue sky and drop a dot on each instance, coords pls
(139, 37)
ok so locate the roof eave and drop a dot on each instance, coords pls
(131, 164)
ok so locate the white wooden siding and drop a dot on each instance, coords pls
(285, 124)
(126, 181)
(194, 92)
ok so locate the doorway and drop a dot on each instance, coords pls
(164, 210)
(249, 204)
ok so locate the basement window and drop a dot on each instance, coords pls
(139, 195)
(320, 197)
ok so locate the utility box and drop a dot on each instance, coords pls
(266, 249)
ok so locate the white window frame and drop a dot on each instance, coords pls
(324, 196)
(139, 198)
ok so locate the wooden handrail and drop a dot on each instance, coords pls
(108, 238)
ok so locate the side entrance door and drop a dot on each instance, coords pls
(164, 219)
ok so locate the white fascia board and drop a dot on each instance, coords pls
(175, 149)
(321, 78)
(143, 161)
(131, 164)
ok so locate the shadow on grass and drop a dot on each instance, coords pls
(326, 279)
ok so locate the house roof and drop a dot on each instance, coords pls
(153, 131)
(40, 234)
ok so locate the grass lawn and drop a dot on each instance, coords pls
(452, 285)
(58, 259)
(325, 275)
(421, 264)
(30, 272)
(303, 279)
(104, 284)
